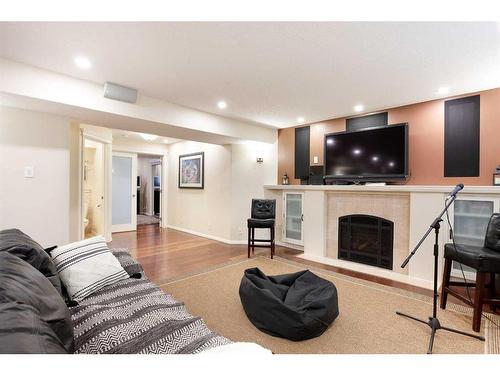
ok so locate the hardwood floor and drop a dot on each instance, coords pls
(168, 254)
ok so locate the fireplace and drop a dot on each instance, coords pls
(366, 239)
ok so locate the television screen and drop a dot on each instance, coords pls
(156, 181)
(369, 154)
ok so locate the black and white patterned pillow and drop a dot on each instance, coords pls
(133, 268)
(86, 267)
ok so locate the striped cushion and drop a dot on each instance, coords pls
(86, 267)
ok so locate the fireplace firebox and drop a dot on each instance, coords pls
(366, 239)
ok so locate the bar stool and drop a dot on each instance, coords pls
(485, 260)
(263, 216)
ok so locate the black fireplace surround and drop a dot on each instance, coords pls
(366, 239)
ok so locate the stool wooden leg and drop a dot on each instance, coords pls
(253, 240)
(493, 291)
(272, 242)
(478, 301)
(249, 242)
(445, 283)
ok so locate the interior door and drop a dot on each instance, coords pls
(124, 192)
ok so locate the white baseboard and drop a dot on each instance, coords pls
(209, 236)
(427, 284)
(289, 245)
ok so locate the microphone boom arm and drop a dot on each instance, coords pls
(433, 226)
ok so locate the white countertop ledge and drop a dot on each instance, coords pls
(389, 188)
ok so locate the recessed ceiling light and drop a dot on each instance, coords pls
(443, 90)
(148, 137)
(82, 62)
(359, 107)
(222, 104)
(301, 119)
(165, 141)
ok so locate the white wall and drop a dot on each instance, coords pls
(39, 206)
(205, 211)
(248, 180)
(47, 206)
(232, 179)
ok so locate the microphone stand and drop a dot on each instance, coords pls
(433, 321)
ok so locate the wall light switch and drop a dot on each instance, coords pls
(29, 172)
(315, 159)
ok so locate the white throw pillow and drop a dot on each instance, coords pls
(87, 266)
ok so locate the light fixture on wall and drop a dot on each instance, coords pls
(148, 137)
(359, 107)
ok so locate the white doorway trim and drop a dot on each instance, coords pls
(107, 182)
(133, 192)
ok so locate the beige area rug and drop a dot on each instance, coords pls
(367, 322)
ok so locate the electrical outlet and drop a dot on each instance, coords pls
(29, 172)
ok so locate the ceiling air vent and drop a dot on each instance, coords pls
(122, 93)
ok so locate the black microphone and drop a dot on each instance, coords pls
(456, 190)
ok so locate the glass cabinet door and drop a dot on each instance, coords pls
(470, 220)
(293, 218)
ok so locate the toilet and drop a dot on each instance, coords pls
(85, 213)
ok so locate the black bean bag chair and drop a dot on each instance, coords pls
(297, 306)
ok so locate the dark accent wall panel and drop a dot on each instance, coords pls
(363, 122)
(302, 146)
(461, 137)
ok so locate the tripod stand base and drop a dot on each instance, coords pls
(435, 325)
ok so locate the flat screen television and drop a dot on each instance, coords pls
(372, 154)
(156, 181)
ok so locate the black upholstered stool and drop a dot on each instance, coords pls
(485, 260)
(263, 216)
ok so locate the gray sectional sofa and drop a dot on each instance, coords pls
(131, 316)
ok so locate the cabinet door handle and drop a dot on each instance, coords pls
(302, 217)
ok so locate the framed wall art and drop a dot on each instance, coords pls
(192, 170)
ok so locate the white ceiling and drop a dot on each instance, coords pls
(134, 136)
(269, 73)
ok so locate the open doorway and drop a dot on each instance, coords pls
(93, 189)
(149, 193)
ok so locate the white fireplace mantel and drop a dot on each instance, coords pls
(426, 202)
(389, 188)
